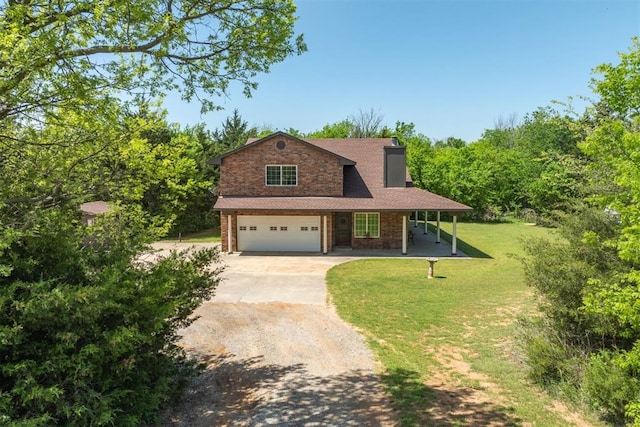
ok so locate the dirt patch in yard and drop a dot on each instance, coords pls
(455, 402)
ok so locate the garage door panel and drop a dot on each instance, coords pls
(278, 233)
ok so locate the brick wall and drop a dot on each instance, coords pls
(224, 227)
(243, 173)
(390, 234)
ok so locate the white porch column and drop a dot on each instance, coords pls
(404, 234)
(324, 234)
(454, 239)
(438, 227)
(426, 218)
(415, 220)
(229, 235)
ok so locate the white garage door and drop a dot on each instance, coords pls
(279, 233)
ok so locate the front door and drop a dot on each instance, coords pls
(343, 228)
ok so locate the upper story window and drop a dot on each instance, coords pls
(281, 175)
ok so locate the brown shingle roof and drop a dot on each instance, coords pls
(364, 185)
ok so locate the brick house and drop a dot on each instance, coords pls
(282, 193)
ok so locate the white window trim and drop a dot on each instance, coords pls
(280, 185)
(367, 214)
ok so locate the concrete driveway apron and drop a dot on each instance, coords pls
(290, 279)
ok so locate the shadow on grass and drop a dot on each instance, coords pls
(420, 405)
(248, 392)
(465, 247)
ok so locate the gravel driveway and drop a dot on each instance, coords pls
(277, 354)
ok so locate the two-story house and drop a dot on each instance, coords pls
(282, 193)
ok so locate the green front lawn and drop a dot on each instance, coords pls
(446, 344)
(211, 235)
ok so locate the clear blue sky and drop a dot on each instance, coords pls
(451, 67)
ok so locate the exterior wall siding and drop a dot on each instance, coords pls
(319, 173)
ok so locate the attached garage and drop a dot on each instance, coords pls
(273, 233)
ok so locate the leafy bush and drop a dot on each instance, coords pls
(559, 271)
(87, 329)
(609, 388)
(551, 360)
(583, 346)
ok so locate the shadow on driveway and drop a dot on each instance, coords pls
(248, 392)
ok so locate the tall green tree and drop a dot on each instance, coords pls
(234, 133)
(615, 149)
(159, 168)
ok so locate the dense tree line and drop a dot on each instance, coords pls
(529, 170)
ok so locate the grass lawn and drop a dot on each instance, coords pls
(211, 235)
(446, 344)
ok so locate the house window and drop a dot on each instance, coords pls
(283, 228)
(253, 228)
(273, 228)
(243, 228)
(367, 224)
(281, 175)
(304, 228)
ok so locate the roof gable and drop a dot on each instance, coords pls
(253, 142)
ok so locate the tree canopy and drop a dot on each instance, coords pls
(56, 53)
